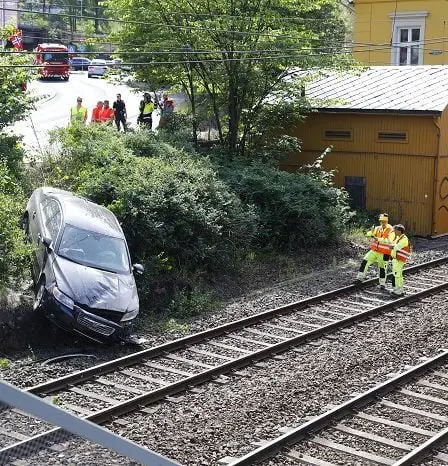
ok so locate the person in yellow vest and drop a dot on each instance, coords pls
(380, 247)
(146, 108)
(78, 113)
(400, 254)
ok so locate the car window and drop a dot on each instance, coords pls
(94, 249)
(52, 217)
(54, 224)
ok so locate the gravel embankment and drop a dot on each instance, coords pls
(224, 419)
(321, 272)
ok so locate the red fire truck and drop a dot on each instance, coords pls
(53, 59)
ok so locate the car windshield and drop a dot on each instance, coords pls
(94, 250)
(55, 57)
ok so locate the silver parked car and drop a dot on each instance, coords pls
(97, 67)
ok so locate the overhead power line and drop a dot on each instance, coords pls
(215, 60)
(323, 50)
(146, 23)
(201, 15)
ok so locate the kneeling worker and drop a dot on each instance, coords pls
(382, 236)
(400, 254)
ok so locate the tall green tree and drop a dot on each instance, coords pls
(14, 106)
(231, 54)
(14, 101)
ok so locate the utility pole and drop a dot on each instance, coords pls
(3, 14)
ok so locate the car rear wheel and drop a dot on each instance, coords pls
(25, 225)
(39, 296)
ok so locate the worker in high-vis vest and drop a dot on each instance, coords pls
(78, 113)
(380, 247)
(146, 108)
(400, 254)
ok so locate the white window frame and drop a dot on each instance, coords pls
(407, 20)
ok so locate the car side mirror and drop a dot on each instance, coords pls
(46, 241)
(138, 268)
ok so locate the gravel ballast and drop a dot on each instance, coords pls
(224, 419)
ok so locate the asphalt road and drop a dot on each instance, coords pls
(59, 96)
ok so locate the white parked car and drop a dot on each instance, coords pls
(97, 67)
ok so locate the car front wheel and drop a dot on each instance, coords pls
(39, 297)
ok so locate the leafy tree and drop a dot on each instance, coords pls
(72, 16)
(14, 102)
(14, 107)
(230, 55)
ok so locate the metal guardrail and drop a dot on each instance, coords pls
(39, 408)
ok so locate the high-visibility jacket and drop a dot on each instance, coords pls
(107, 114)
(96, 114)
(402, 248)
(146, 109)
(78, 114)
(383, 239)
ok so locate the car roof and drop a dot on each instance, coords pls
(82, 213)
(80, 58)
(98, 60)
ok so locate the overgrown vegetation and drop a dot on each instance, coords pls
(13, 250)
(14, 105)
(187, 217)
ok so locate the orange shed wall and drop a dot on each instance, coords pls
(441, 180)
(399, 176)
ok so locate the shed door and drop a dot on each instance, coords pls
(356, 188)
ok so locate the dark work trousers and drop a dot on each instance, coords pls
(147, 122)
(120, 119)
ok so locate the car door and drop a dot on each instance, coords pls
(35, 230)
(49, 222)
(53, 220)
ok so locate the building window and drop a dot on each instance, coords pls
(356, 189)
(408, 37)
(338, 134)
(392, 136)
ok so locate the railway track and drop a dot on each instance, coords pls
(406, 422)
(130, 383)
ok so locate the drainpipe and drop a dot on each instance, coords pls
(436, 179)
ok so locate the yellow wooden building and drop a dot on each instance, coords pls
(400, 32)
(388, 127)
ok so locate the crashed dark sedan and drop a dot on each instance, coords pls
(81, 266)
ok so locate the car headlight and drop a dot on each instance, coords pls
(63, 298)
(129, 315)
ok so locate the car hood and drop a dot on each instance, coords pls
(97, 289)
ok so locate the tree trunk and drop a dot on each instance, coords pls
(97, 16)
(210, 88)
(233, 115)
(193, 105)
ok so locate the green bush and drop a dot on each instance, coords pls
(14, 253)
(11, 153)
(189, 218)
(295, 210)
(144, 143)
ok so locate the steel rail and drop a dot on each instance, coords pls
(134, 358)
(182, 385)
(424, 450)
(339, 412)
